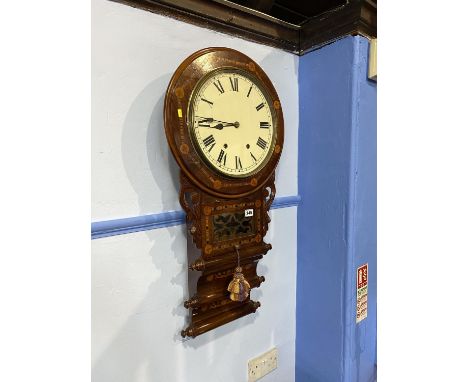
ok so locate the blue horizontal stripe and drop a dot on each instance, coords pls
(163, 219)
(286, 201)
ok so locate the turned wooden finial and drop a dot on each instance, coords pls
(198, 265)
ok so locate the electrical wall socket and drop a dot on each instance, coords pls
(263, 364)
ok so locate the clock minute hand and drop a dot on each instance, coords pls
(204, 120)
(221, 126)
(210, 120)
(235, 124)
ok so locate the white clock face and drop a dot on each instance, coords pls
(232, 122)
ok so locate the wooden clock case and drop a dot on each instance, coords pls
(214, 203)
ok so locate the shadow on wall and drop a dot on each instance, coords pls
(140, 351)
(277, 66)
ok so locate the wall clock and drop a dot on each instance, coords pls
(224, 126)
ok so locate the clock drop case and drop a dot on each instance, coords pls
(224, 126)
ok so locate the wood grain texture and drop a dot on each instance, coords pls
(209, 198)
(258, 21)
(181, 85)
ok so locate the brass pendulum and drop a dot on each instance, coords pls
(239, 287)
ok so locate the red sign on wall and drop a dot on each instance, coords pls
(361, 292)
(362, 276)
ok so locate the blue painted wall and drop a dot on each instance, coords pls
(337, 216)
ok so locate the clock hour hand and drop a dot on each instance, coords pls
(225, 124)
(221, 126)
(204, 122)
(210, 120)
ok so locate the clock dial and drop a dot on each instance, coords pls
(232, 122)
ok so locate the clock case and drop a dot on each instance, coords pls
(214, 203)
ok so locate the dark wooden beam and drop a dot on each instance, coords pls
(228, 18)
(260, 5)
(358, 17)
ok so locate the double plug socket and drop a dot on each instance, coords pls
(262, 365)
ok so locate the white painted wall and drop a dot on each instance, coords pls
(139, 280)
(139, 285)
(134, 54)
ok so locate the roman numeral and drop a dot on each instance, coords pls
(234, 84)
(209, 140)
(238, 163)
(219, 86)
(222, 157)
(249, 91)
(259, 107)
(255, 159)
(261, 143)
(209, 102)
(264, 125)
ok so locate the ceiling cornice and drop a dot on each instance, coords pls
(357, 17)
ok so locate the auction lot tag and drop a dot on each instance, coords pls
(361, 293)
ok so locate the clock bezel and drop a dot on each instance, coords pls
(190, 120)
(191, 163)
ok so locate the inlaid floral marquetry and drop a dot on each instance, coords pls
(224, 126)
